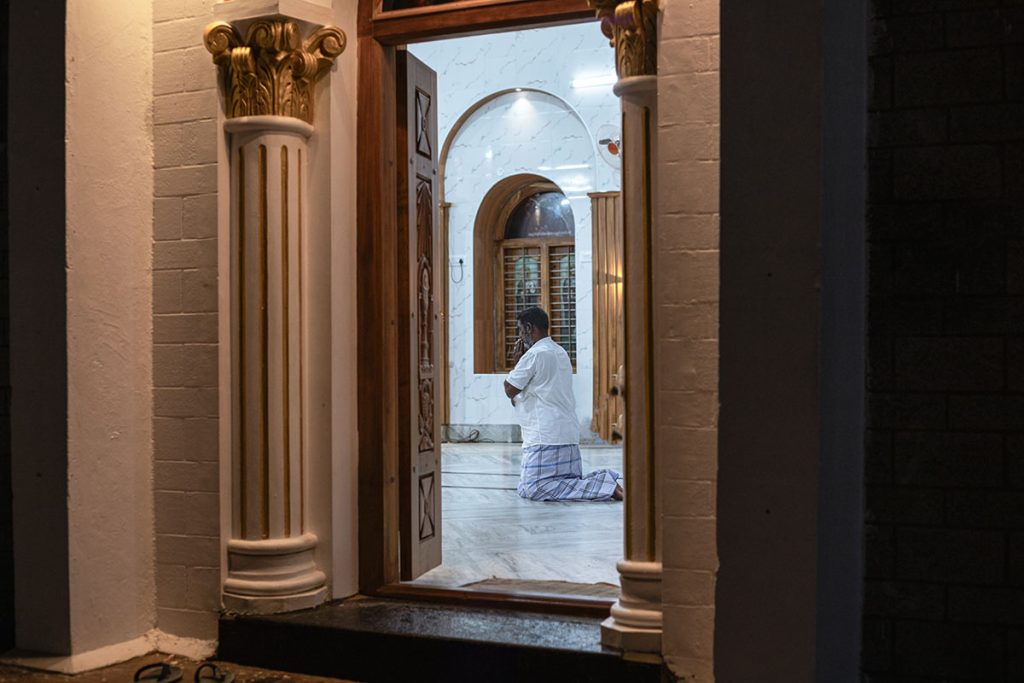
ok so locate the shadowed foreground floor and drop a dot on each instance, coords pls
(124, 672)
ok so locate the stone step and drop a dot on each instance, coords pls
(368, 639)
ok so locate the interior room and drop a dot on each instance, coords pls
(530, 178)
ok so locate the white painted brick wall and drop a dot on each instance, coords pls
(686, 292)
(186, 472)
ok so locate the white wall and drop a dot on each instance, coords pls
(552, 134)
(109, 168)
(341, 134)
(549, 59)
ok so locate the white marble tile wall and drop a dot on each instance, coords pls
(549, 59)
(549, 133)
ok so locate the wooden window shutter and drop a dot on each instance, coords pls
(609, 329)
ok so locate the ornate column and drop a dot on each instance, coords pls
(269, 79)
(635, 623)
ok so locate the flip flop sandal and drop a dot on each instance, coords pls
(211, 673)
(158, 673)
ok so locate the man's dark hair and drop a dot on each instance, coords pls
(534, 315)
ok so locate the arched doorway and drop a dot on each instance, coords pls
(524, 229)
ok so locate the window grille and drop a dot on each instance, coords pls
(537, 262)
(562, 297)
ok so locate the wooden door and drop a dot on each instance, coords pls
(418, 320)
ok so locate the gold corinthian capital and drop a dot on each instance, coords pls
(272, 70)
(632, 29)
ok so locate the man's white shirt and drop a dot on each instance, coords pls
(546, 408)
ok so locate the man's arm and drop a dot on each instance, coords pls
(512, 391)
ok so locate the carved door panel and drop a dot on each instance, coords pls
(419, 321)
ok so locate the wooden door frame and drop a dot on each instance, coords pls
(377, 293)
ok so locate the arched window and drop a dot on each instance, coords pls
(537, 259)
(525, 255)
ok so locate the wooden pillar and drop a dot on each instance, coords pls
(635, 624)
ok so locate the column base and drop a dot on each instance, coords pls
(249, 604)
(273, 575)
(628, 639)
(635, 621)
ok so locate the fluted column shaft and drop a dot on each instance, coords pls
(270, 554)
(267, 158)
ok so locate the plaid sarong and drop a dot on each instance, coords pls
(556, 473)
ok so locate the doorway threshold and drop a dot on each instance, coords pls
(521, 601)
(374, 639)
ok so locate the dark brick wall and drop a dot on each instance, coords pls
(945, 464)
(6, 540)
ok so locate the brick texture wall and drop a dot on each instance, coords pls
(686, 327)
(185, 378)
(945, 447)
(6, 531)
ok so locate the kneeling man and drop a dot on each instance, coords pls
(540, 387)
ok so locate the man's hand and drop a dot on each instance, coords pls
(518, 350)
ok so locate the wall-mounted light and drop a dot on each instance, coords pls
(594, 81)
(462, 272)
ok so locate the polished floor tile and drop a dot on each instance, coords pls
(489, 532)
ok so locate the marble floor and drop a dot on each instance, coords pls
(495, 540)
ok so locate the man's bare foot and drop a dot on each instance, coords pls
(618, 494)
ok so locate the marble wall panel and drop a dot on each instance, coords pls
(549, 59)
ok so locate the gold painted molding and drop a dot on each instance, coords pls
(633, 31)
(272, 71)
